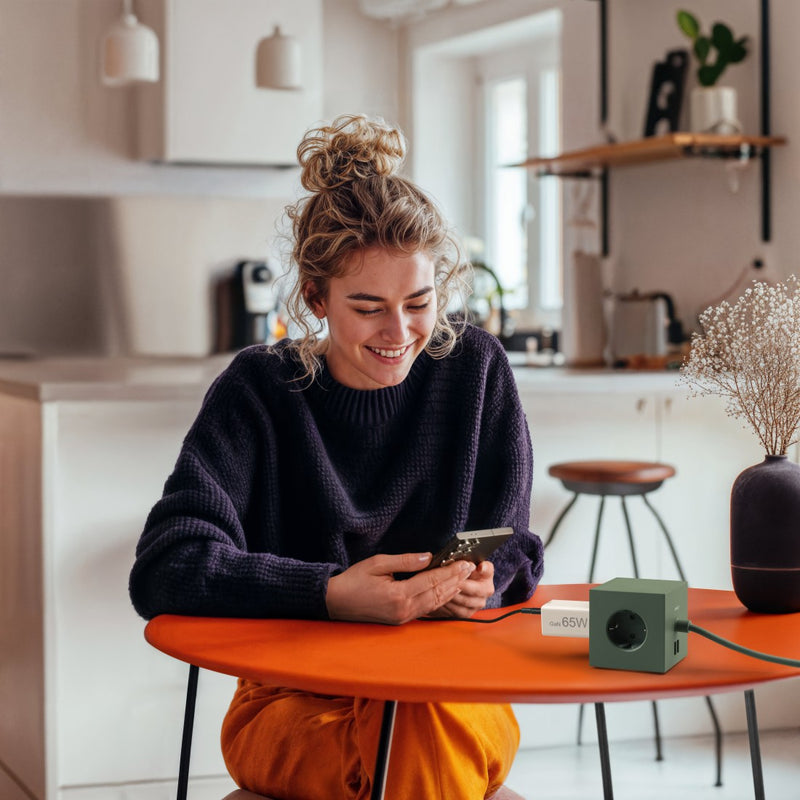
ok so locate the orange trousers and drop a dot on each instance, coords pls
(292, 745)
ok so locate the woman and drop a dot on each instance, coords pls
(320, 468)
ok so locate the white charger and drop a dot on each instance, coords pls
(566, 618)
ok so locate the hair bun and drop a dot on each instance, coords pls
(351, 148)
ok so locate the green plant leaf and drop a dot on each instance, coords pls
(721, 36)
(738, 51)
(702, 47)
(708, 74)
(688, 24)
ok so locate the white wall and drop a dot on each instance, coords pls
(104, 254)
(676, 226)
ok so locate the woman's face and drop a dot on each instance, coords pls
(381, 314)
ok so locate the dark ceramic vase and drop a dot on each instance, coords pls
(765, 536)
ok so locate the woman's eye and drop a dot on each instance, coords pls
(420, 307)
(367, 312)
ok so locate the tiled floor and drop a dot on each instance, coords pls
(573, 773)
(687, 771)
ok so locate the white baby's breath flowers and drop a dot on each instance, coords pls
(749, 354)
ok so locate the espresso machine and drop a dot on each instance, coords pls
(247, 301)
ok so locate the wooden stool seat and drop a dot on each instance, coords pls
(611, 477)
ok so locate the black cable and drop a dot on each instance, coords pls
(682, 626)
(686, 626)
(536, 611)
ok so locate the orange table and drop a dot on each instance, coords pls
(509, 661)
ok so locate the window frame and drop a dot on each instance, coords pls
(529, 63)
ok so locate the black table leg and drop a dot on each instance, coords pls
(602, 743)
(384, 746)
(755, 746)
(188, 725)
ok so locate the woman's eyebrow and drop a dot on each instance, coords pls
(373, 298)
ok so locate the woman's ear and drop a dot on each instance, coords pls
(314, 300)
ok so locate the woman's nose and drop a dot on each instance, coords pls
(396, 328)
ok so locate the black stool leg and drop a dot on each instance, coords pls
(717, 740)
(709, 703)
(657, 729)
(558, 521)
(656, 726)
(596, 537)
(188, 726)
(630, 536)
(666, 536)
(591, 577)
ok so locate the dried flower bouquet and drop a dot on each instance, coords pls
(749, 354)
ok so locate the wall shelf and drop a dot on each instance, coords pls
(590, 160)
(597, 161)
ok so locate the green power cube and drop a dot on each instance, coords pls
(632, 624)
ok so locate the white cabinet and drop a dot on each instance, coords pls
(206, 108)
(575, 427)
(706, 447)
(708, 450)
(88, 706)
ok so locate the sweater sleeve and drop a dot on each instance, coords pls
(194, 557)
(503, 482)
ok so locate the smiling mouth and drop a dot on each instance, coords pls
(386, 353)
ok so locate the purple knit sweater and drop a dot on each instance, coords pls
(278, 487)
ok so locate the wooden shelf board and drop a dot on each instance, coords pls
(654, 148)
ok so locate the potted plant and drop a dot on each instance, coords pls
(713, 108)
(748, 353)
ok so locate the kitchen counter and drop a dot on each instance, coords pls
(54, 379)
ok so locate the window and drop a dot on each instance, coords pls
(507, 192)
(482, 100)
(523, 220)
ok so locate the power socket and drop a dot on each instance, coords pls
(632, 624)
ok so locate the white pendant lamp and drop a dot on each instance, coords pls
(279, 62)
(130, 51)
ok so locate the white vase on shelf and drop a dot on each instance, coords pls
(714, 109)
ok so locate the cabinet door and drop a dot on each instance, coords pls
(117, 703)
(573, 426)
(206, 107)
(580, 426)
(708, 449)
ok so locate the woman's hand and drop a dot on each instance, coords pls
(368, 591)
(473, 594)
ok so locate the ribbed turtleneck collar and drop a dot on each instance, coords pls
(368, 406)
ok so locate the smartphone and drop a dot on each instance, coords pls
(475, 546)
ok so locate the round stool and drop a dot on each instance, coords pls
(623, 479)
(617, 479)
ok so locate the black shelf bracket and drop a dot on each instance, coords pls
(766, 128)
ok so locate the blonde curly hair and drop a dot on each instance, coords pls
(357, 200)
